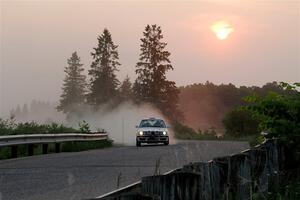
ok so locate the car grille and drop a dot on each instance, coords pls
(153, 133)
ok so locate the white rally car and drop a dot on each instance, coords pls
(152, 131)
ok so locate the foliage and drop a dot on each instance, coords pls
(84, 127)
(10, 127)
(125, 90)
(279, 114)
(205, 105)
(183, 131)
(74, 86)
(240, 123)
(103, 88)
(151, 84)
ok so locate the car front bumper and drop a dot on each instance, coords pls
(152, 139)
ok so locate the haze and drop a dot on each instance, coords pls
(38, 37)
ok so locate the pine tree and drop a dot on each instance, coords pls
(25, 112)
(104, 83)
(18, 112)
(126, 90)
(74, 86)
(151, 84)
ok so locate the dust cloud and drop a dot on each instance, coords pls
(118, 122)
(121, 121)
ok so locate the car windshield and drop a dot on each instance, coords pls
(152, 123)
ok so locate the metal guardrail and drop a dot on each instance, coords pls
(13, 140)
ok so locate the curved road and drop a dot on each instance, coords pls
(68, 176)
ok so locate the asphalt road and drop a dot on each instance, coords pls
(87, 174)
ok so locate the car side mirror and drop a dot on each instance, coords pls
(168, 126)
(136, 126)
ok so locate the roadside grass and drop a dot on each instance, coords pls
(186, 133)
(10, 127)
(5, 152)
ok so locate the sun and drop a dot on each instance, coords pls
(222, 29)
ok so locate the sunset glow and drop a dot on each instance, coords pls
(221, 29)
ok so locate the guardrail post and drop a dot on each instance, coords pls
(45, 148)
(30, 149)
(57, 147)
(14, 151)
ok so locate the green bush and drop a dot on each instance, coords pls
(279, 116)
(10, 127)
(183, 131)
(84, 127)
(240, 123)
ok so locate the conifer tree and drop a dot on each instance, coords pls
(104, 84)
(126, 90)
(74, 86)
(151, 84)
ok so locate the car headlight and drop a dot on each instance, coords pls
(165, 133)
(141, 133)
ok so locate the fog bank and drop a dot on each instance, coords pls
(119, 122)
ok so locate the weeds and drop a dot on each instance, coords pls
(186, 133)
(10, 127)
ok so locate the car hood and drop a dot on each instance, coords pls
(152, 129)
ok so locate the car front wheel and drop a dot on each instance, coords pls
(138, 144)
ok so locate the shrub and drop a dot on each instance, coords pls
(182, 131)
(10, 127)
(279, 116)
(239, 123)
(84, 127)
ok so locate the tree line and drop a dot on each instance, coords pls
(103, 89)
(207, 105)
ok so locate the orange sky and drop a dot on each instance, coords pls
(38, 37)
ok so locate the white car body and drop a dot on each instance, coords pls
(150, 134)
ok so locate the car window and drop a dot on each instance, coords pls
(152, 123)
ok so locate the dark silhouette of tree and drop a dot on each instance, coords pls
(240, 123)
(74, 86)
(103, 88)
(151, 84)
(205, 105)
(18, 111)
(25, 112)
(126, 90)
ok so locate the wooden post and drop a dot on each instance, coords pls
(57, 147)
(14, 151)
(45, 148)
(30, 149)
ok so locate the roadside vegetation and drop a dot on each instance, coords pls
(5, 152)
(10, 127)
(274, 111)
(279, 117)
(185, 132)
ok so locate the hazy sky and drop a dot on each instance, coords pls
(37, 38)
